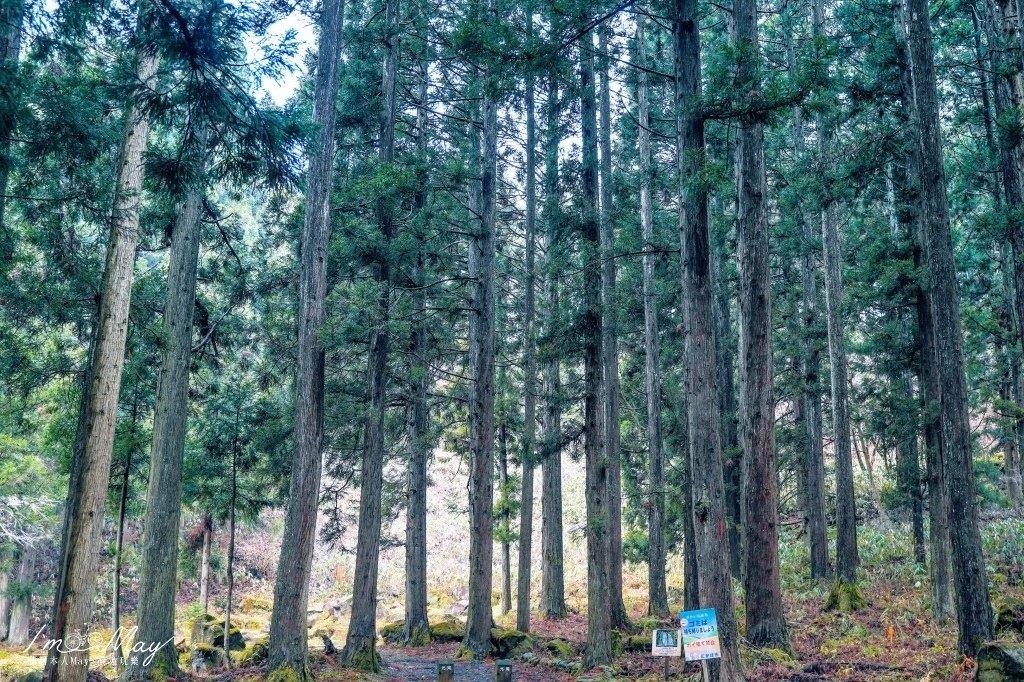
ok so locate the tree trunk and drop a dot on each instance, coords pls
(847, 557)
(974, 612)
(288, 644)
(506, 519)
(361, 642)
(204, 565)
(599, 648)
(21, 605)
(657, 603)
(552, 589)
(732, 453)
(6, 572)
(810, 363)
(766, 624)
(230, 572)
(528, 457)
(481, 392)
(122, 507)
(709, 516)
(417, 627)
(11, 19)
(90, 475)
(609, 342)
(158, 582)
(928, 381)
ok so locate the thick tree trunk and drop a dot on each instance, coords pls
(21, 605)
(158, 582)
(291, 590)
(90, 474)
(928, 381)
(481, 392)
(361, 642)
(599, 646)
(528, 457)
(609, 342)
(709, 515)
(552, 589)
(974, 612)
(417, 628)
(657, 603)
(204, 564)
(766, 624)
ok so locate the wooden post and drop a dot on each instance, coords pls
(503, 671)
(445, 671)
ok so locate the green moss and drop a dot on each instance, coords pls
(560, 648)
(1010, 615)
(636, 643)
(393, 632)
(506, 642)
(419, 636)
(287, 673)
(447, 631)
(844, 597)
(255, 654)
(363, 658)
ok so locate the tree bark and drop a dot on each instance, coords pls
(810, 363)
(90, 475)
(506, 546)
(21, 605)
(709, 516)
(766, 623)
(11, 19)
(122, 508)
(847, 557)
(230, 568)
(552, 592)
(528, 457)
(481, 389)
(288, 646)
(361, 642)
(657, 602)
(158, 581)
(417, 627)
(204, 564)
(609, 342)
(599, 623)
(974, 612)
(928, 381)
(6, 573)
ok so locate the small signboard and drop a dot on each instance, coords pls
(666, 643)
(700, 634)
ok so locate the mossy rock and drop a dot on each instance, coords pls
(844, 597)
(560, 648)
(30, 677)
(393, 633)
(635, 644)
(236, 641)
(205, 657)
(1000, 662)
(255, 602)
(1010, 616)
(287, 673)
(506, 643)
(447, 631)
(256, 654)
(200, 630)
